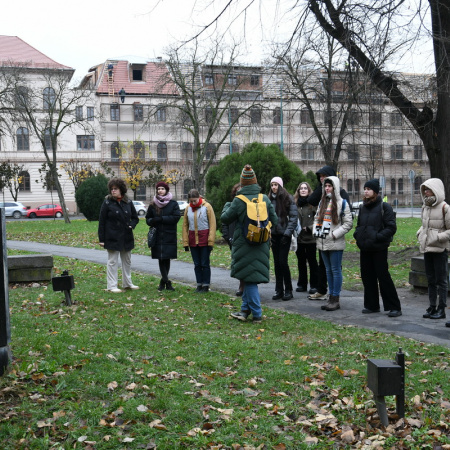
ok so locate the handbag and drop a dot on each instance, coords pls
(151, 237)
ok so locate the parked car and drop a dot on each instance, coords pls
(183, 205)
(45, 211)
(14, 209)
(356, 205)
(141, 209)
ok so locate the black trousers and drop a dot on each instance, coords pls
(306, 253)
(283, 282)
(436, 265)
(374, 273)
(322, 283)
(164, 268)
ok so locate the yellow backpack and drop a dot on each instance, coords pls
(256, 226)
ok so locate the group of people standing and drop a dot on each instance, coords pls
(318, 220)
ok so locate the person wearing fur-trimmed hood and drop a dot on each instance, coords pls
(434, 236)
(333, 220)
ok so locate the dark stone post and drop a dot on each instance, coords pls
(5, 329)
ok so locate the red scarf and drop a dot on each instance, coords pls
(194, 207)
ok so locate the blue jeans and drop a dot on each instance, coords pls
(202, 269)
(333, 265)
(251, 301)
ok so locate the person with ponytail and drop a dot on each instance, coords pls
(164, 214)
(199, 235)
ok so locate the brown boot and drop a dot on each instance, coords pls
(334, 304)
(324, 307)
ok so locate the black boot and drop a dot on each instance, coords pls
(288, 295)
(430, 310)
(278, 295)
(439, 314)
(162, 285)
(169, 286)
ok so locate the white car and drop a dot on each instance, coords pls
(140, 207)
(14, 209)
(356, 205)
(183, 205)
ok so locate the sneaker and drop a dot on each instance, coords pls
(301, 289)
(370, 311)
(205, 289)
(257, 319)
(133, 287)
(241, 315)
(115, 290)
(199, 288)
(312, 291)
(317, 296)
(447, 324)
(394, 313)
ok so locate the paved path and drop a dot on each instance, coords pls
(410, 324)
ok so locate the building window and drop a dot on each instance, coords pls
(24, 181)
(115, 112)
(186, 151)
(49, 98)
(393, 184)
(418, 152)
(417, 182)
(374, 118)
(210, 151)
(307, 152)
(208, 115)
(234, 115)
(209, 78)
(331, 117)
(161, 114)
(277, 116)
(137, 74)
(255, 115)
(161, 151)
(353, 153)
(397, 152)
(79, 113)
(139, 150)
(396, 120)
(90, 113)
(305, 117)
(350, 187)
(141, 192)
(254, 80)
(187, 186)
(357, 186)
(21, 97)
(234, 148)
(354, 118)
(86, 142)
(400, 186)
(115, 152)
(23, 140)
(375, 152)
(138, 112)
(232, 80)
(47, 139)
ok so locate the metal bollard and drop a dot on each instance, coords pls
(387, 378)
(65, 284)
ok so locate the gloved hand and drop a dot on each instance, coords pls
(285, 240)
(156, 220)
(186, 249)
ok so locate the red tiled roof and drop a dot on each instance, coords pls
(14, 50)
(155, 79)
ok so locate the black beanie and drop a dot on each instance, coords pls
(373, 184)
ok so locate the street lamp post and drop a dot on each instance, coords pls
(5, 329)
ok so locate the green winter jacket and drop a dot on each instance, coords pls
(249, 263)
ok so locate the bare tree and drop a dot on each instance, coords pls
(204, 87)
(47, 104)
(10, 177)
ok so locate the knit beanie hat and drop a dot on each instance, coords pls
(162, 184)
(373, 184)
(248, 176)
(277, 180)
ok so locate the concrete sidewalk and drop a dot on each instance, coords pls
(410, 324)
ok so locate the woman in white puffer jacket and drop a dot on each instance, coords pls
(434, 237)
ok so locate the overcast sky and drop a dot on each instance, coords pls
(84, 33)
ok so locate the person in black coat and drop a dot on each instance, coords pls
(375, 229)
(164, 214)
(118, 218)
(314, 200)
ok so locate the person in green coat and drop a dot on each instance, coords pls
(249, 263)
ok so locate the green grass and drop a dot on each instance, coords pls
(81, 233)
(143, 369)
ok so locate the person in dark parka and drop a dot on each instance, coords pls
(164, 214)
(118, 218)
(314, 200)
(250, 263)
(374, 231)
